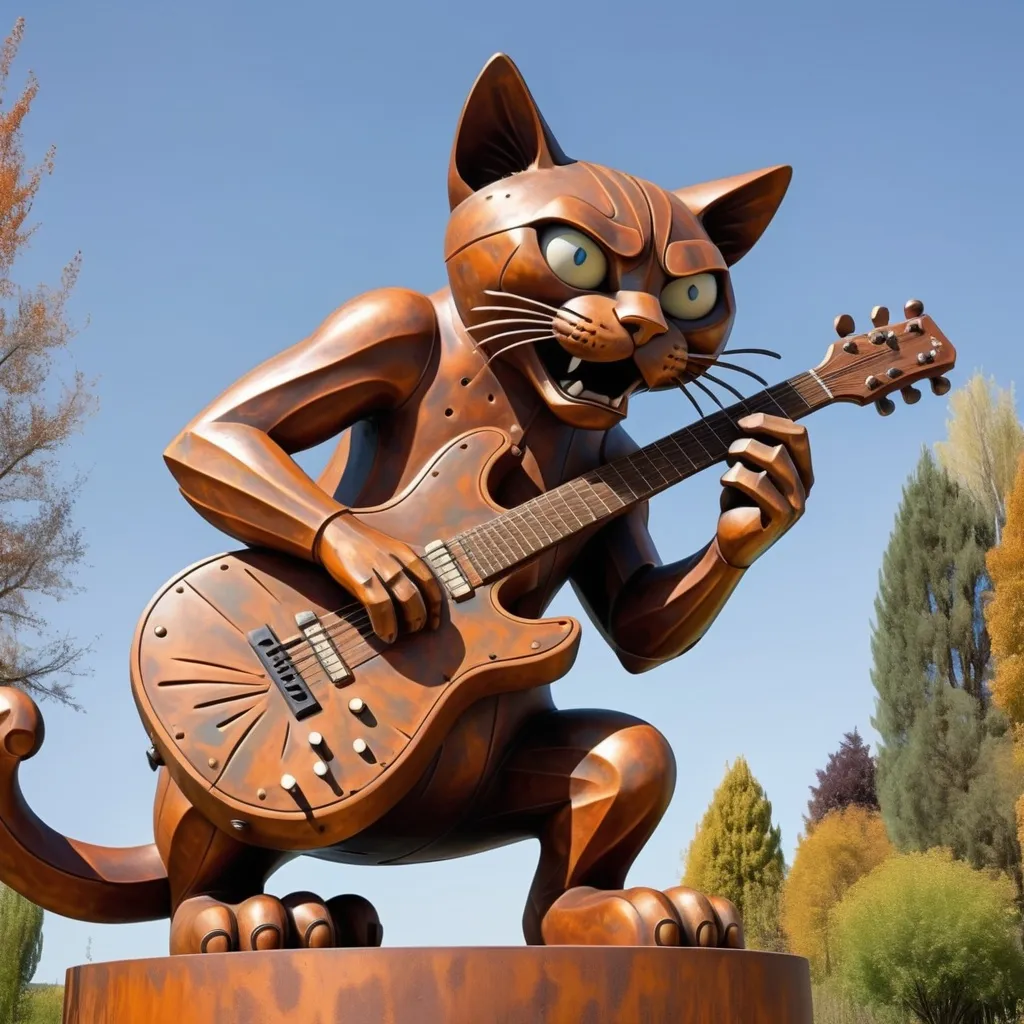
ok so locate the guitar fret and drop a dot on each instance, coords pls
(525, 520)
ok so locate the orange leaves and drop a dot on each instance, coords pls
(844, 846)
(1005, 611)
(18, 183)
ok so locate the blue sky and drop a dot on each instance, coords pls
(232, 173)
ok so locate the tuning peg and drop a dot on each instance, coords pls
(885, 406)
(844, 325)
(913, 308)
(939, 385)
(880, 316)
(910, 395)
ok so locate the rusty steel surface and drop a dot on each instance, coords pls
(370, 681)
(567, 985)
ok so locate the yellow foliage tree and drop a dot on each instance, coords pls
(844, 846)
(985, 440)
(1005, 618)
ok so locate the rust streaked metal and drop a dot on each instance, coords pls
(369, 682)
(568, 985)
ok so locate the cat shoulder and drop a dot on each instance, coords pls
(398, 322)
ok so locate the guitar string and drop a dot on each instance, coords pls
(353, 617)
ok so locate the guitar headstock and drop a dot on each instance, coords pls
(868, 367)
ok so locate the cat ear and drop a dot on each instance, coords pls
(735, 211)
(500, 132)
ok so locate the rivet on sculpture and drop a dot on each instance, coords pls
(368, 681)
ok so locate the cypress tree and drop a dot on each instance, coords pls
(944, 750)
(737, 853)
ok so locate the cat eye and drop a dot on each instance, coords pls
(690, 298)
(576, 259)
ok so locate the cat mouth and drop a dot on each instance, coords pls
(580, 380)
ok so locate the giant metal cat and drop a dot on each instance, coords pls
(572, 287)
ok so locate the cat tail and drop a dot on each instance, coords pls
(91, 883)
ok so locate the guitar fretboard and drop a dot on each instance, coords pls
(516, 536)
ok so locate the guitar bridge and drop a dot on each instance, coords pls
(279, 666)
(323, 647)
(447, 570)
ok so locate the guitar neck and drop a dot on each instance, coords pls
(495, 547)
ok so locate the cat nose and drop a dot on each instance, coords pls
(641, 315)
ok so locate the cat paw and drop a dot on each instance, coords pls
(299, 921)
(641, 917)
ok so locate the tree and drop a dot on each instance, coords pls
(985, 441)
(848, 778)
(934, 936)
(843, 847)
(931, 670)
(737, 853)
(1004, 614)
(21, 945)
(39, 546)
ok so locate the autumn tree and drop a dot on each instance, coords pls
(737, 853)
(848, 779)
(21, 944)
(932, 936)
(1004, 614)
(985, 441)
(843, 847)
(39, 545)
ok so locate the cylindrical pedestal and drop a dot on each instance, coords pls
(553, 985)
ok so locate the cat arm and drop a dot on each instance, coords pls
(233, 461)
(651, 613)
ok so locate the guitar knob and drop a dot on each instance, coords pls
(910, 395)
(880, 316)
(885, 406)
(913, 308)
(844, 325)
(939, 385)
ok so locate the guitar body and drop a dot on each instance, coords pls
(298, 764)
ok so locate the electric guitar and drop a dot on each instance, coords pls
(287, 722)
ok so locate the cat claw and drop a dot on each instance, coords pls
(642, 917)
(299, 921)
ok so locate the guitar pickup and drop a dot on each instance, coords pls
(323, 647)
(447, 570)
(277, 662)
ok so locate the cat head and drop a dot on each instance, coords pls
(591, 283)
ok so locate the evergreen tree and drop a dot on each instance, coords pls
(21, 945)
(737, 853)
(943, 756)
(848, 778)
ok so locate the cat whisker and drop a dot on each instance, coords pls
(692, 400)
(515, 344)
(509, 322)
(534, 314)
(707, 391)
(736, 369)
(559, 310)
(735, 352)
(508, 334)
(728, 387)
